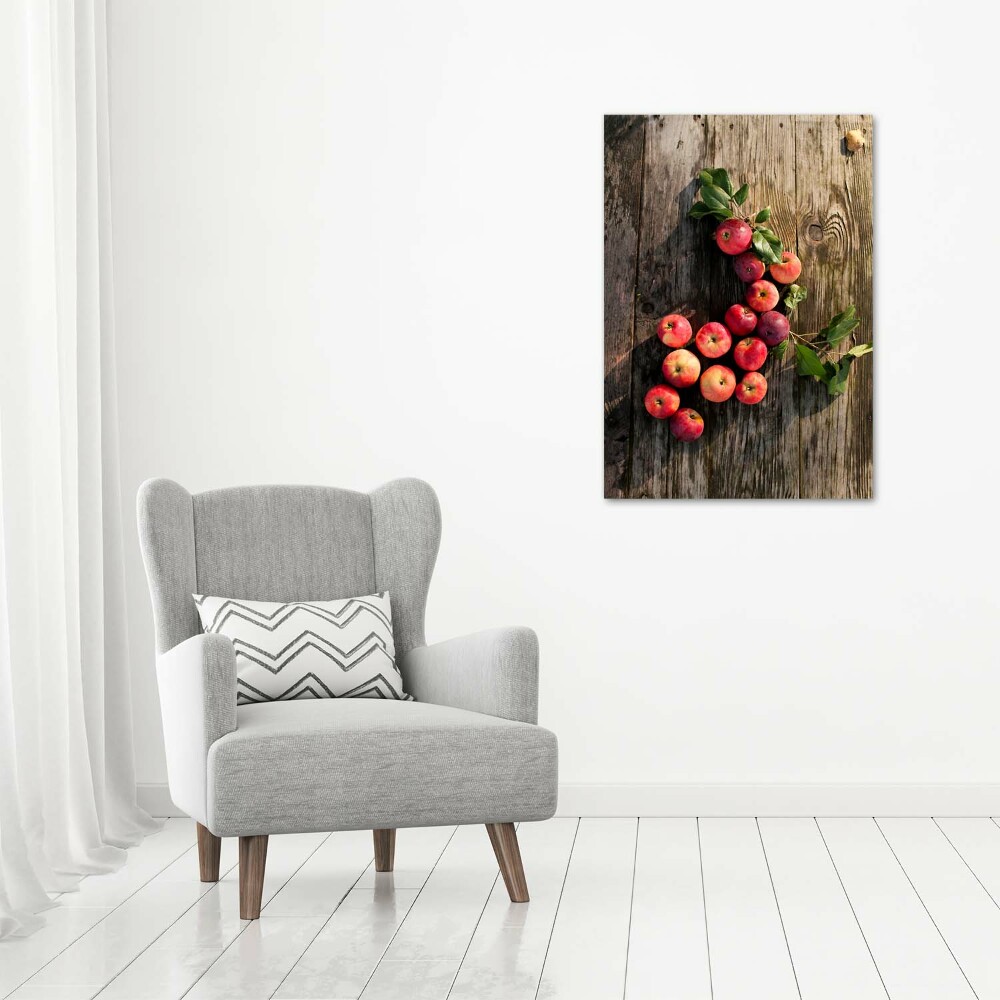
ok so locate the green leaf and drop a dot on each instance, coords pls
(722, 179)
(742, 195)
(794, 294)
(807, 363)
(773, 238)
(861, 350)
(699, 210)
(839, 328)
(779, 349)
(705, 176)
(714, 196)
(764, 249)
(763, 215)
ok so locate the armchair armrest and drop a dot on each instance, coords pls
(197, 682)
(494, 672)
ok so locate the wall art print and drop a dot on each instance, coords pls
(738, 306)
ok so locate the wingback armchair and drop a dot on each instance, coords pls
(467, 750)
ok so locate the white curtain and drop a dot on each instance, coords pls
(67, 783)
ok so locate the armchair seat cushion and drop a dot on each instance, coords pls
(353, 764)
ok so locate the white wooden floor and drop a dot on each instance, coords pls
(716, 909)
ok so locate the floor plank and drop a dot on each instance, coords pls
(744, 925)
(22, 957)
(965, 914)
(587, 953)
(914, 961)
(342, 958)
(145, 861)
(668, 914)
(505, 957)
(829, 953)
(417, 852)
(978, 842)
(437, 930)
(80, 909)
(317, 888)
(254, 967)
(188, 949)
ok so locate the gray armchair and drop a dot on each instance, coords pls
(466, 751)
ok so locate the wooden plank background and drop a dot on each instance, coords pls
(798, 443)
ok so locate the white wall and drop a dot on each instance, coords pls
(358, 241)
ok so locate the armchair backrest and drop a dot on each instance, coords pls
(288, 543)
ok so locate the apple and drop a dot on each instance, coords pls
(748, 266)
(752, 388)
(750, 353)
(788, 270)
(718, 383)
(681, 368)
(741, 320)
(662, 401)
(733, 236)
(674, 330)
(713, 340)
(772, 328)
(687, 424)
(762, 296)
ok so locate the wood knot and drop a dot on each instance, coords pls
(815, 232)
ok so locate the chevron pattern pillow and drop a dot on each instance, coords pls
(314, 649)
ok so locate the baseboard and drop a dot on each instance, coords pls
(779, 800)
(736, 800)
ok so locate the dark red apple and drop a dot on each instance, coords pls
(748, 266)
(772, 328)
(741, 320)
(687, 424)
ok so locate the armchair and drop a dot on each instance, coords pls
(467, 750)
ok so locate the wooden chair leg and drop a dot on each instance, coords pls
(385, 849)
(209, 847)
(503, 837)
(253, 855)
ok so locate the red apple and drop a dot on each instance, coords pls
(674, 330)
(718, 383)
(681, 368)
(713, 340)
(733, 236)
(740, 320)
(748, 266)
(750, 353)
(752, 388)
(762, 296)
(773, 328)
(788, 270)
(662, 402)
(687, 424)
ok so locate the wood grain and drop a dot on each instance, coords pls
(834, 227)
(797, 442)
(253, 858)
(385, 849)
(209, 852)
(623, 141)
(503, 837)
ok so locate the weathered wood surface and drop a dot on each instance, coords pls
(797, 442)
